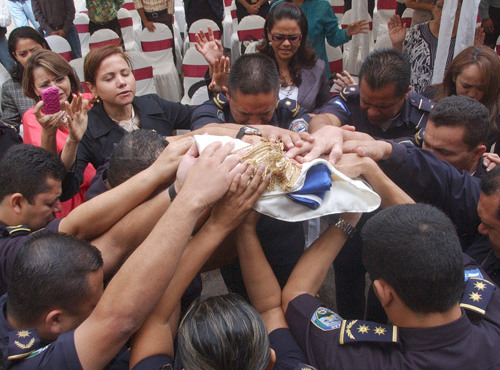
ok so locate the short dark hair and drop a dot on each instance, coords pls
(416, 250)
(386, 66)
(490, 185)
(135, 152)
(50, 270)
(462, 111)
(223, 332)
(24, 32)
(253, 74)
(25, 168)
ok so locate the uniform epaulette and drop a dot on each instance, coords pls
(304, 367)
(289, 105)
(422, 103)
(477, 295)
(4, 124)
(220, 101)
(22, 343)
(18, 229)
(367, 331)
(351, 90)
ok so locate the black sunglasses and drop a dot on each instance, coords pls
(281, 38)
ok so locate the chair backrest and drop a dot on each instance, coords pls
(127, 28)
(338, 8)
(194, 67)
(383, 42)
(335, 61)
(251, 28)
(81, 23)
(143, 73)
(77, 65)
(497, 47)
(104, 37)
(157, 46)
(202, 24)
(347, 20)
(130, 6)
(406, 17)
(60, 46)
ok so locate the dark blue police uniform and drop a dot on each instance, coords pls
(8, 137)
(283, 242)
(407, 124)
(471, 342)
(11, 239)
(218, 110)
(103, 133)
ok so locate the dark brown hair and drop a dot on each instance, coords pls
(95, 57)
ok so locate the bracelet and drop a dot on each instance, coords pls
(171, 192)
(342, 225)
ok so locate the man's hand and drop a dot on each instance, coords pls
(76, 115)
(375, 149)
(479, 37)
(220, 72)
(251, 8)
(343, 79)
(169, 160)
(490, 161)
(211, 174)
(354, 166)
(289, 138)
(208, 46)
(488, 26)
(149, 25)
(244, 191)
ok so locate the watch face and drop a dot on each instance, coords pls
(251, 131)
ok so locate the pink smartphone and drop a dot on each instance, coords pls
(50, 97)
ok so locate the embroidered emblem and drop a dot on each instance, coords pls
(363, 329)
(380, 331)
(325, 319)
(472, 274)
(477, 294)
(367, 331)
(24, 334)
(220, 115)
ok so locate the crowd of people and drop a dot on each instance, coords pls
(108, 216)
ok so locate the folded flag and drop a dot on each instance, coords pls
(318, 181)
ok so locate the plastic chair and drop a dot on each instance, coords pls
(251, 28)
(194, 67)
(60, 46)
(136, 18)
(82, 27)
(407, 17)
(157, 48)
(77, 65)
(127, 28)
(143, 72)
(338, 8)
(228, 24)
(104, 37)
(335, 61)
(365, 43)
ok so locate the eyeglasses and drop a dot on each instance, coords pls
(281, 38)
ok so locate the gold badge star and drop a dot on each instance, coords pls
(288, 102)
(480, 285)
(379, 330)
(23, 333)
(475, 296)
(363, 329)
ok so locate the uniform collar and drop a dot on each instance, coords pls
(425, 339)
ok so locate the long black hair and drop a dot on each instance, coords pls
(305, 57)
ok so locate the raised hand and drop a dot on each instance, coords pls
(208, 46)
(220, 72)
(361, 26)
(76, 117)
(397, 31)
(343, 79)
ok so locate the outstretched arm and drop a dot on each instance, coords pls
(155, 336)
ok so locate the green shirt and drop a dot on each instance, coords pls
(103, 11)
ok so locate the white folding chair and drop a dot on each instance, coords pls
(127, 28)
(200, 24)
(200, 96)
(82, 27)
(385, 9)
(77, 65)
(157, 48)
(335, 61)
(194, 67)
(143, 73)
(136, 18)
(338, 8)
(82, 8)
(406, 17)
(235, 43)
(104, 37)
(251, 28)
(227, 23)
(497, 47)
(365, 43)
(60, 46)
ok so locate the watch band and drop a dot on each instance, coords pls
(344, 226)
(171, 192)
(248, 130)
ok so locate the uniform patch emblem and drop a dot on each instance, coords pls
(220, 115)
(342, 105)
(325, 319)
(472, 274)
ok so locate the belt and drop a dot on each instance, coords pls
(157, 14)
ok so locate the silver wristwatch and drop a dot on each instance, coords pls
(342, 224)
(248, 130)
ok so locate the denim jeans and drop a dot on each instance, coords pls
(21, 12)
(74, 42)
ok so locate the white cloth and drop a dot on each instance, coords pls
(345, 195)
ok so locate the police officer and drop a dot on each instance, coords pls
(413, 257)
(252, 101)
(383, 105)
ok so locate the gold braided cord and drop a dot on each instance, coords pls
(284, 173)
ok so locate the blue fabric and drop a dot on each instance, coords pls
(322, 22)
(316, 184)
(74, 42)
(5, 57)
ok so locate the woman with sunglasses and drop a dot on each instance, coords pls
(302, 73)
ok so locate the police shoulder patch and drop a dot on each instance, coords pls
(220, 101)
(18, 230)
(367, 331)
(349, 91)
(290, 105)
(477, 294)
(325, 319)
